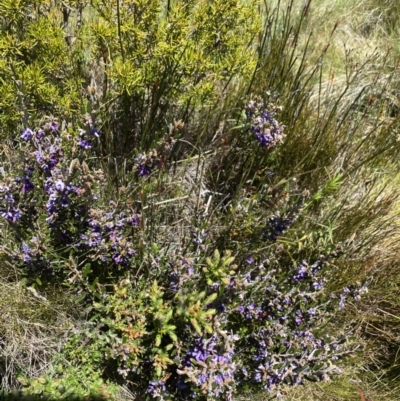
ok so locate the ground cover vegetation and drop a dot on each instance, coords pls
(199, 200)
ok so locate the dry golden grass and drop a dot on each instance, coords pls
(30, 329)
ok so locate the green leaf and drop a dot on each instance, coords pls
(228, 261)
(81, 297)
(196, 325)
(210, 312)
(217, 257)
(168, 316)
(23, 380)
(86, 270)
(210, 299)
(225, 280)
(158, 340)
(92, 286)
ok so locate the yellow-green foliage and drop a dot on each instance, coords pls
(136, 65)
(199, 42)
(162, 60)
(36, 65)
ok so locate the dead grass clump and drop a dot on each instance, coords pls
(30, 328)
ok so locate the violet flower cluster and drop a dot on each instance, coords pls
(65, 182)
(157, 389)
(107, 235)
(53, 184)
(33, 255)
(181, 272)
(266, 129)
(263, 333)
(278, 225)
(210, 367)
(354, 292)
(9, 208)
(86, 136)
(145, 163)
(281, 348)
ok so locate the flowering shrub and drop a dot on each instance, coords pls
(50, 197)
(197, 252)
(205, 326)
(211, 327)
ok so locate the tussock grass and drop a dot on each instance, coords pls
(345, 120)
(30, 328)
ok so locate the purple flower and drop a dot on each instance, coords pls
(39, 134)
(241, 309)
(12, 215)
(27, 134)
(264, 140)
(39, 156)
(27, 253)
(28, 185)
(144, 170)
(258, 376)
(157, 388)
(134, 220)
(65, 201)
(266, 129)
(277, 225)
(96, 132)
(202, 378)
(250, 260)
(299, 317)
(119, 259)
(301, 273)
(51, 204)
(317, 286)
(197, 240)
(59, 185)
(26, 248)
(83, 143)
(312, 311)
